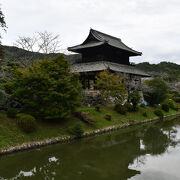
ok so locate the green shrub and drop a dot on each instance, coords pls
(48, 89)
(134, 98)
(78, 130)
(98, 108)
(171, 104)
(108, 117)
(155, 91)
(165, 107)
(159, 113)
(12, 112)
(119, 108)
(145, 114)
(143, 105)
(91, 100)
(26, 122)
(176, 99)
(129, 107)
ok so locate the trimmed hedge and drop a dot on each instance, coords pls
(77, 130)
(129, 107)
(159, 113)
(108, 117)
(119, 108)
(26, 122)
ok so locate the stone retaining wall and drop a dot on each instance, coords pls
(63, 139)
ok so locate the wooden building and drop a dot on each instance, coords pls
(101, 51)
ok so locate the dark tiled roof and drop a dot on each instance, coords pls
(102, 38)
(103, 65)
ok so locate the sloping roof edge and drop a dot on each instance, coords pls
(103, 38)
(103, 65)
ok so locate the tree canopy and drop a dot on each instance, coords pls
(3, 26)
(111, 86)
(155, 91)
(46, 90)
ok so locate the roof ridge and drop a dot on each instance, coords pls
(99, 32)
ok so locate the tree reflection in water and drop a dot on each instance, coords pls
(104, 157)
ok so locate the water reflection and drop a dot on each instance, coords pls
(120, 155)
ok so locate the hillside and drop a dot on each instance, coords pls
(169, 71)
(18, 54)
(161, 67)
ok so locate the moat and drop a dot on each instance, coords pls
(150, 152)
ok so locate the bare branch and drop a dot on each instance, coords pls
(43, 42)
(26, 43)
(48, 43)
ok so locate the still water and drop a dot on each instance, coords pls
(148, 152)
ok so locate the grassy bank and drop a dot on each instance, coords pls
(11, 135)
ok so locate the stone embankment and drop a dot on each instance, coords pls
(63, 139)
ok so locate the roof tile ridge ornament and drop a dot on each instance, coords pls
(96, 35)
(99, 32)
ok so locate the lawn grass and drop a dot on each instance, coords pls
(101, 122)
(11, 135)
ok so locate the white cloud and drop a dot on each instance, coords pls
(150, 26)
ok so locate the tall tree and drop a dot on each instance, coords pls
(47, 90)
(111, 86)
(3, 26)
(155, 91)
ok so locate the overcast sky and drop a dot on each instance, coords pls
(149, 26)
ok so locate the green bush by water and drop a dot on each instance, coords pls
(159, 113)
(78, 130)
(129, 107)
(26, 122)
(108, 117)
(119, 108)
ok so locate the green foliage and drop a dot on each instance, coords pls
(12, 112)
(159, 113)
(169, 71)
(108, 117)
(26, 122)
(3, 26)
(155, 91)
(78, 130)
(111, 86)
(119, 108)
(46, 90)
(145, 114)
(177, 99)
(91, 100)
(143, 105)
(3, 100)
(176, 96)
(98, 108)
(129, 107)
(134, 98)
(171, 104)
(165, 107)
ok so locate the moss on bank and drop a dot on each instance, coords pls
(11, 135)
